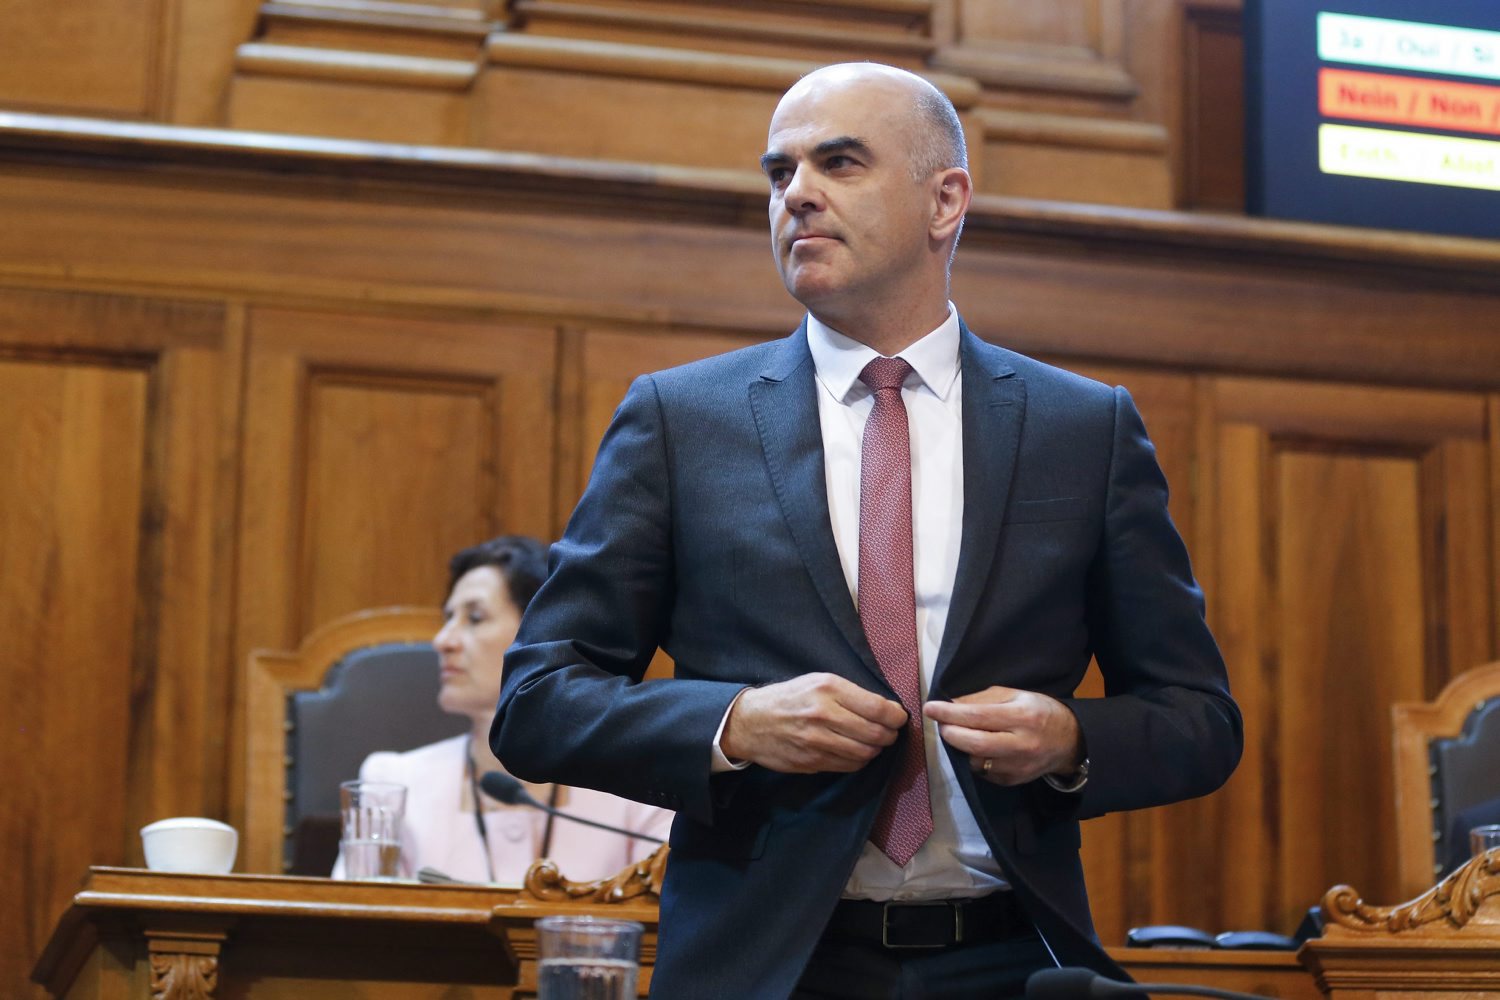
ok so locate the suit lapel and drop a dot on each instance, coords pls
(785, 405)
(994, 409)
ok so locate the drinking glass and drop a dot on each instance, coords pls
(1483, 838)
(588, 958)
(372, 814)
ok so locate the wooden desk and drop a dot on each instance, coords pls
(1268, 973)
(1442, 945)
(138, 934)
(131, 933)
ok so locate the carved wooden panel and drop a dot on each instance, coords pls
(67, 607)
(1072, 47)
(376, 447)
(177, 975)
(379, 446)
(605, 113)
(896, 33)
(1213, 126)
(387, 108)
(1072, 25)
(104, 57)
(1350, 569)
(113, 656)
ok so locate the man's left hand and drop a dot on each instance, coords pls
(1023, 734)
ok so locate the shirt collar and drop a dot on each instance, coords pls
(838, 359)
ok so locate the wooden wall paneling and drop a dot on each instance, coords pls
(569, 468)
(653, 104)
(608, 360)
(68, 610)
(560, 112)
(202, 47)
(182, 685)
(1253, 309)
(1460, 625)
(118, 411)
(376, 447)
(351, 95)
(1153, 866)
(1212, 128)
(1073, 158)
(1077, 97)
(894, 33)
(1494, 438)
(484, 244)
(360, 26)
(1071, 47)
(1326, 599)
(101, 58)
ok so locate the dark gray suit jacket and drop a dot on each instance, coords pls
(705, 530)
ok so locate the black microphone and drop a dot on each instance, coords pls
(1086, 984)
(503, 788)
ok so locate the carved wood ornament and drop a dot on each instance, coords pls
(1456, 900)
(545, 882)
(181, 976)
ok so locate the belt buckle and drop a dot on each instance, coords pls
(885, 924)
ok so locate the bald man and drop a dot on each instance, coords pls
(881, 553)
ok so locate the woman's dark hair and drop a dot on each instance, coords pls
(521, 560)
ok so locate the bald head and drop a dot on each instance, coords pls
(867, 199)
(935, 136)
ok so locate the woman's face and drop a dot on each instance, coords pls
(479, 624)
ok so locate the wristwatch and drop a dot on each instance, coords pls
(1075, 783)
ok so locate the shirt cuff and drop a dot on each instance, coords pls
(720, 763)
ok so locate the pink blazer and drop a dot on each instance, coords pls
(439, 834)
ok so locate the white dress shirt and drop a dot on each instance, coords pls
(955, 861)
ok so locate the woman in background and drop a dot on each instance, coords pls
(451, 825)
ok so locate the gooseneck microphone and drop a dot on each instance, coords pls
(503, 788)
(1086, 984)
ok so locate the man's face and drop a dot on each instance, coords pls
(849, 225)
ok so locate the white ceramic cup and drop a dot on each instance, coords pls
(190, 844)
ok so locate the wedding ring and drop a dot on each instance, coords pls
(989, 762)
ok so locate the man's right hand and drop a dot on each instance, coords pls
(811, 723)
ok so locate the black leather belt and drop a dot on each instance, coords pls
(934, 924)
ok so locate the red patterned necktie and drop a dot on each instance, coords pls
(888, 603)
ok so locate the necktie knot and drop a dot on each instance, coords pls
(885, 373)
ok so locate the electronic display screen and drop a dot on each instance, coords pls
(1375, 113)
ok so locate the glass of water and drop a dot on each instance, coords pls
(588, 958)
(372, 815)
(1483, 839)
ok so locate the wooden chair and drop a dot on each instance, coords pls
(365, 682)
(1447, 762)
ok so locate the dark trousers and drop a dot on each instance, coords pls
(858, 970)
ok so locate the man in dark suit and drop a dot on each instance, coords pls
(881, 553)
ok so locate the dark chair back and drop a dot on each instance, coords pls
(378, 698)
(366, 682)
(1447, 765)
(1465, 783)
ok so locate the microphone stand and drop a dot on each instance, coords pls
(503, 788)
